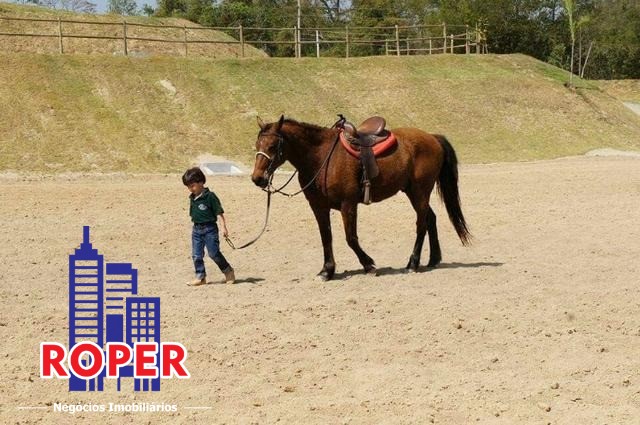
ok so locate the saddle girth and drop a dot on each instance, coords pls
(360, 143)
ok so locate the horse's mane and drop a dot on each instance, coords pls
(304, 131)
(306, 125)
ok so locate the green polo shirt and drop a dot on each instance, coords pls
(205, 208)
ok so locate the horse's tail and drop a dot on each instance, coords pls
(448, 190)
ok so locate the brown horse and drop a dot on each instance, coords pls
(332, 179)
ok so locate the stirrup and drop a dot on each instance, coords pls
(367, 192)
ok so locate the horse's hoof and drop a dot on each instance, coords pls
(324, 276)
(371, 271)
(412, 265)
(434, 261)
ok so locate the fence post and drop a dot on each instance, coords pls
(124, 36)
(317, 43)
(477, 40)
(466, 39)
(296, 35)
(444, 38)
(397, 41)
(430, 46)
(451, 43)
(407, 47)
(386, 47)
(60, 36)
(347, 40)
(186, 44)
(240, 29)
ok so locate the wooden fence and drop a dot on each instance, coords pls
(292, 42)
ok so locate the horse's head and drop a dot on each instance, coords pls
(269, 151)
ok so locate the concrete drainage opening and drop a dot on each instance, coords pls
(221, 168)
(634, 106)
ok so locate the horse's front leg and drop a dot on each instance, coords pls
(349, 212)
(324, 224)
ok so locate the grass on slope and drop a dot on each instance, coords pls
(625, 90)
(107, 113)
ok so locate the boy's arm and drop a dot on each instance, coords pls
(225, 232)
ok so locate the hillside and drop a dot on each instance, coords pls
(99, 112)
(625, 90)
(74, 24)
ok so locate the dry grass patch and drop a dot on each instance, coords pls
(625, 90)
(79, 112)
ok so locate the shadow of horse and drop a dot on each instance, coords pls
(465, 265)
(390, 271)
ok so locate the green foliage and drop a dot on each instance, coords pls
(123, 7)
(171, 8)
(614, 28)
(148, 10)
(558, 56)
(539, 28)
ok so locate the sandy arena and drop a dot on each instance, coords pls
(537, 322)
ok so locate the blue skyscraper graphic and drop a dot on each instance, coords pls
(94, 294)
(143, 325)
(122, 280)
(86, 305)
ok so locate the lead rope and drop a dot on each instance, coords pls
(264, 227)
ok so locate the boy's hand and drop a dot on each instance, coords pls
(225, 232)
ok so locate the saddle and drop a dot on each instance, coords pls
(366, 142)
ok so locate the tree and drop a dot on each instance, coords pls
(82, 6)
(148, 9)
(123, 7)
(569, 7)
(171, 7)
(614, 29)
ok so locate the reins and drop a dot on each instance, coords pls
(313, 179)
(338, 124)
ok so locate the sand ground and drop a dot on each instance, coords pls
(537, 322)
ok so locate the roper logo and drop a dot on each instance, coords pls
(112, 333)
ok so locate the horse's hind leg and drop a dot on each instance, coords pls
(425, 221)
(349, 212)
(435, 256)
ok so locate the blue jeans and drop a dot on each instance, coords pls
(206, 235)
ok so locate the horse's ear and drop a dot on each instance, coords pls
(261, 123)
(280, 122)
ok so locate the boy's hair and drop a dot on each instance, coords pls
(193, 175)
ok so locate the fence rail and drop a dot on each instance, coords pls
(288, 41)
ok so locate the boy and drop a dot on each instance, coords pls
(204, 210)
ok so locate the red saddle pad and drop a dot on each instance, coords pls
(378, 149)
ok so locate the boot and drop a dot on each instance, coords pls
(198, 282)
(230, 276)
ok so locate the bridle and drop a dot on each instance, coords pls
(270, 170)
(278, 155)
(271, 190)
